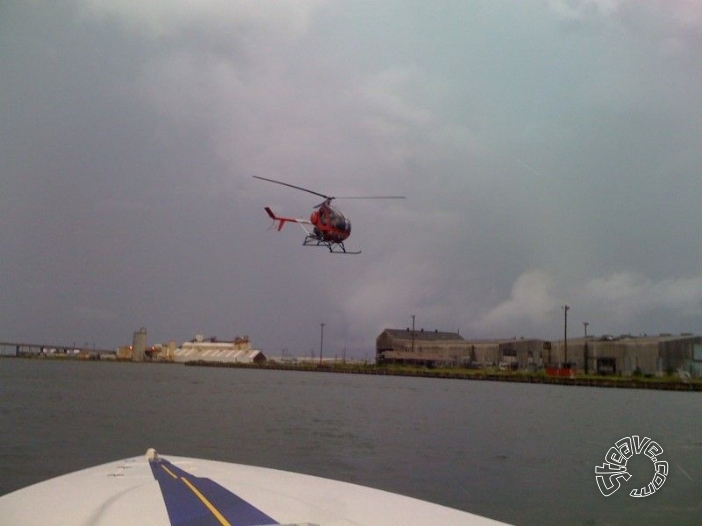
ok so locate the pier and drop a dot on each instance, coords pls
(19, 349)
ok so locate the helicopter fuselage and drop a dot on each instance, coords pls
(330, 224)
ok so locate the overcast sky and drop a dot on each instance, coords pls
(550, 152)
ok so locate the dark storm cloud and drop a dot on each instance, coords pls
(549, 152)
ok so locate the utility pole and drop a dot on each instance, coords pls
(321, 344)
(565, 333)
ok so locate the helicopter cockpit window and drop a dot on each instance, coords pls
(338, 221)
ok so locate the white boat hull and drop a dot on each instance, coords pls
(159, 490)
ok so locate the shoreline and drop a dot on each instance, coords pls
(665, 384)
(620, 382)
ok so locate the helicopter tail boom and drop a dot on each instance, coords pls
(282, 220)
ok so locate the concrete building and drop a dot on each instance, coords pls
(434, 348)
(625, 355)
(510, 353)
(628, 354)
(212, 350)
(420, 347)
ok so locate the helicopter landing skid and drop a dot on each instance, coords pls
(334, 248)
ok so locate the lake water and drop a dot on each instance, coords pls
(521, 453)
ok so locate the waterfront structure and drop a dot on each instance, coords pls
(429, 348)
(625, 355)
(507, 353)
(213, 350)
(139, 345)
(24, 349)
(435, 348)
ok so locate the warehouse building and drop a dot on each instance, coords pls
(445, 349)
(201, 349)
(625, 355)
(427, 348)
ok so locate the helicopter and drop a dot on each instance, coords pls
(327, 226)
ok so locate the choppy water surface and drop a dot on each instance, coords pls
(520, 453)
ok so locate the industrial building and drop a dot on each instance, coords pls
(625, 355)
(434, 348)
(200, 349)
(421, 348)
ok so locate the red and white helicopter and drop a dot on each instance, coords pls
(327, 226)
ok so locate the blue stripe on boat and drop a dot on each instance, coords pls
(195, 501)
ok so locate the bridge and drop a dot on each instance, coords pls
(19, 349)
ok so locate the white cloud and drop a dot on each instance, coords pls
(669, 15)
(628, 295)
(386, 95)
(395, 109)
(576, 9)
(160, 18)
(532, 303)
(622, 302)
(383, 295)
(405, 275)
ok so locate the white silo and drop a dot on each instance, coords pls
(139, 345)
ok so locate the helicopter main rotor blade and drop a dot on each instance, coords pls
(329, 199)
(292, 186)
(373, 197)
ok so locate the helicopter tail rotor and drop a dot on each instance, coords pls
(281, 220)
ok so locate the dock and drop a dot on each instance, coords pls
(20, 349)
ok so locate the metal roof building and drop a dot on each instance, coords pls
(624, 354)
(211, 350)
(628, 354)
(435, 348)
(421, 347)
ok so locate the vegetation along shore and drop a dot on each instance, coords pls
(666, 383)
